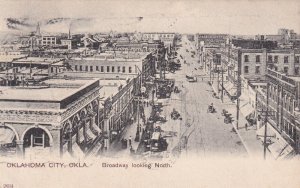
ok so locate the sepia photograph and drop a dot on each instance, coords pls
(161, 93)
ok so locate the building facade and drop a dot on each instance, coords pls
(57, 118)
(282, 97)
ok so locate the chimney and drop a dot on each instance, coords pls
(69, 36)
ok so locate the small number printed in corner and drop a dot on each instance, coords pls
(8, 186)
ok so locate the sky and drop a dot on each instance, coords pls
(190, 16)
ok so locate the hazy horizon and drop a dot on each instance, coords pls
(230, 17)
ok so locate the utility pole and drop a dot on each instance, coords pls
(266, 123)
(218, 82)
(239, 89)
(210, 70)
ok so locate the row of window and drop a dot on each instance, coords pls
(257, 58)
(48, 38)
(289, 129)
(48, 42)
(107, 68)
(257, 69)
(270, 59)
(160, 35)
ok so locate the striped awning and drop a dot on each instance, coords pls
(6, 135)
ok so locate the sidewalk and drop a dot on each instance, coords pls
(116, 149)
(248, 137)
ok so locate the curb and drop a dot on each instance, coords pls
(238, 133)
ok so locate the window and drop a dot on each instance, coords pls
(246, 69)
(297, 70)
(276, 59)
(270, 59)
(80, 67)
(123, 69)
(75, 68)
(119, 69)
(102, 69)
(286, 59)
(258, 58)
(257, 70)
(107, 69)
(91, 68)
(246, 58)
(130, 70)
(112, 69)
(297, 59)
(285, 69)
(97, 68)
(86, 68)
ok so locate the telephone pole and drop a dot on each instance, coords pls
(266, 123)
(239, 88)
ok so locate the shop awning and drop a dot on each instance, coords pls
(6, 135)
(81, 135)
(278, 147)
(90, 134)
(261, 132)
(230, 88)
(247, 110)
(96, 128)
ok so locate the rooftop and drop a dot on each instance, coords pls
(53, 90)
(38, 60)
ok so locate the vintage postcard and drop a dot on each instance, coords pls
(135, 93)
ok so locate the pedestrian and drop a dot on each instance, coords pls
(147, 103)
(246, 126)
(129, 141)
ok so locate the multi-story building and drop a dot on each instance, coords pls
(54, 118)
(138, 46)
(122, 65)
(281, 100)
(32, 69)
(48, 40)
(210, 39)
(117, 106)
(167, 38)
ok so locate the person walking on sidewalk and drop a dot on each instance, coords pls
(246, 126)
(129, 141)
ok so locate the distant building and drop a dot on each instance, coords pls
(211, 39)
(167, 38)
(48, 41)
(119, 64)
(30, 70)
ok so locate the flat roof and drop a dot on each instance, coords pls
(39, 60)
(53, 90)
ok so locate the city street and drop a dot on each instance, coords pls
(207, 134)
